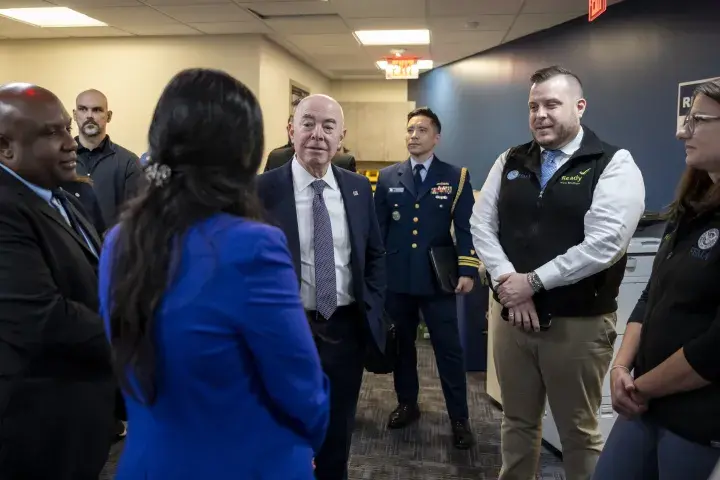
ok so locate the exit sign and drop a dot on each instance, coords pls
(596, 8)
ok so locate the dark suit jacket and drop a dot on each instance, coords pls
(281, 156)
(56, 381)
(88, 203)
(367, 256)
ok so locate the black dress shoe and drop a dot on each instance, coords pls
(404, 415)
(462, 435)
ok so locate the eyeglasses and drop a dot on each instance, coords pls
(693, 119)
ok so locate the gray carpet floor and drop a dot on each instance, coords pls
(423, 451)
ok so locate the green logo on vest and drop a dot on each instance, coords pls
(574, 179)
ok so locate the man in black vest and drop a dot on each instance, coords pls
(552, 224)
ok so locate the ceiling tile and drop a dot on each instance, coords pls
(478, 40)
(442, 54)
(462, 8)
(559, 6)
(289, 26)
(156, 30)
(208, 13)
(24, 4)
(229, 28)
(387, 23)
(128, 16)
(528, 23)
(377, 53)
(98, 3)
(161, 3)
(45, 33)
(380, 8)
(291, 8)
(331, 50)
(345, 40)
(12, 29)
(92, 32)
(483, 23)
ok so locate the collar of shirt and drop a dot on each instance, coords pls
(43, 193)
(302, 178)
(100, 148)
(426, 163)
(572, 146)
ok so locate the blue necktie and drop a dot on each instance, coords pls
(417, 176)
(325, 285)
(548, 167)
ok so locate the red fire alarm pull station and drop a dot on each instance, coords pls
(596, 8)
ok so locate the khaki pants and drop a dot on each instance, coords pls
(566, 363)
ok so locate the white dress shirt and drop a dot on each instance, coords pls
(426, 164)
(617, 205)
(304, 194)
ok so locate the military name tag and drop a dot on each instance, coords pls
(396, 215)
(396, 189)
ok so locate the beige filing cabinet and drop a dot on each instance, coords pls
(641, 254)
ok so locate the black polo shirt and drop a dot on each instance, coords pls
(116, 174)
(680, 308)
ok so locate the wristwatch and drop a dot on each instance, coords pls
(535, 282)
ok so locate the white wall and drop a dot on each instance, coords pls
(132, 72)
(369, 90)
(277, 70)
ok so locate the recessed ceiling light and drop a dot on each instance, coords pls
(55, 17)
(422, 64)
(393, 37)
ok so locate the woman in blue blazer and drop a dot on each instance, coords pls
(215, 357)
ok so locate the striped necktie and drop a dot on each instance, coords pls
(325, 283)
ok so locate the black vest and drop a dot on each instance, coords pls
(537, 226)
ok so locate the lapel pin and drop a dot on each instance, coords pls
(355, 192)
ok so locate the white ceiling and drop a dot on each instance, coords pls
(318, 31)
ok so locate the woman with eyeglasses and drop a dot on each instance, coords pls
(665, 380)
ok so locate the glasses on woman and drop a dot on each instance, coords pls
(694, 118)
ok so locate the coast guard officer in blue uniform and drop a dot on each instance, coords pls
(416, 204)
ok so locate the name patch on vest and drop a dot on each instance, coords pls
(514, 174)
(574, 179)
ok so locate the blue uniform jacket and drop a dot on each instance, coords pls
(411, 222)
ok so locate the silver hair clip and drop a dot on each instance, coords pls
(158, 173)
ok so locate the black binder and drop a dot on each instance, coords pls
(383, 362)
(444, 262)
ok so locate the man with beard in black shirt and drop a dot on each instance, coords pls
(115, 171)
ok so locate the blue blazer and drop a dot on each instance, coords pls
(367, 256)
(240, 389)
(413, 221)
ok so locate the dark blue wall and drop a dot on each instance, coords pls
(630, 61)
